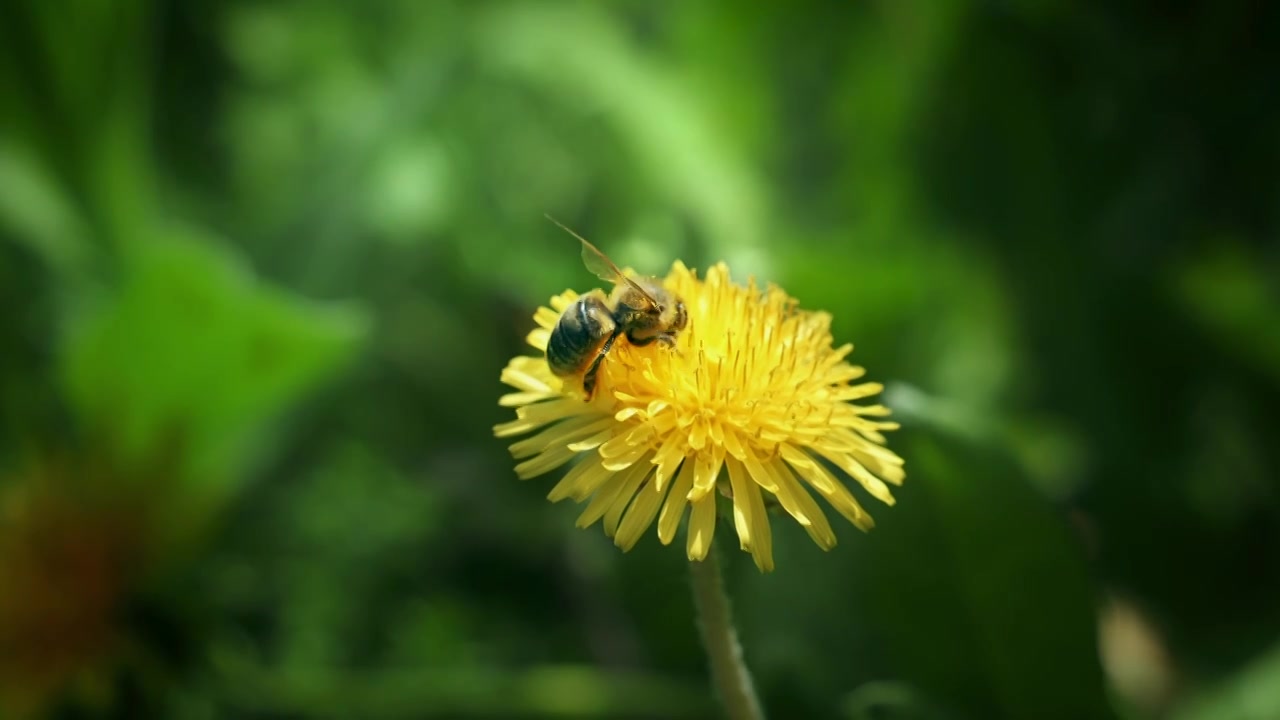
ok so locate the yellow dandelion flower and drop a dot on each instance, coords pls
(753, 402)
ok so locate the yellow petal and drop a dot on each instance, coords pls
(857, 392)
(640, 514)
(873, 484)
(581, 480)
(698, 434)
(830, 488)
(602, 499)
(545, 462)
(844, 373)
(538, 338)
(677, 499)
(546, 318)
(532, 417)
(667, 459)
(523, 398)
(562, 433)
(519, 426)
(817, 526)
(734, 445)
(522, 374)
(627, 459)
(888, 472)
(705, 471)
(636, 476)
(562, 301)
(702, 527)
(595, 441)
(749, 517)
(767, 479)
(619, 445)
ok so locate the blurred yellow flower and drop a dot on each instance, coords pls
(68, 560)
(754, 388)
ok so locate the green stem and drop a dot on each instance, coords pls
(729, 673)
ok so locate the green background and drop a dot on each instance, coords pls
(262, 262)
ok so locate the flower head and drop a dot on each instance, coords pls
(753, 402)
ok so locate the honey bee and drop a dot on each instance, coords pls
(639, 308)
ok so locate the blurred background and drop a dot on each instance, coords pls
(262, 262)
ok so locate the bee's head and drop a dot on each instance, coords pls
(670, 311)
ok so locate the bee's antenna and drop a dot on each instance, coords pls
(564, 227)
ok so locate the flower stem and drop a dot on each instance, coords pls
(729, 673)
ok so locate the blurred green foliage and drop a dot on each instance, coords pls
(261, 264)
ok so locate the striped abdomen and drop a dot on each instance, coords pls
(582, 330)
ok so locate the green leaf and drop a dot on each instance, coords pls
(1232, 294)
(38, 213)
(192, 348)
(1251, 694)
(980, 592)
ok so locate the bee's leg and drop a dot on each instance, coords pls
(667, 339)
(589, 378)
(640, 342)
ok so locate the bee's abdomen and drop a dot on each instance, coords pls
(582, 329)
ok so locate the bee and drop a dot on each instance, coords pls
(639, 308)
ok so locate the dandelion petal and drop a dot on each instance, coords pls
(677, 500)
(636, 475)
(750, 519)
(640, 514)
(702, 526)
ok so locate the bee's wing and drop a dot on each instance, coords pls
(602, 267)
(600, 264)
